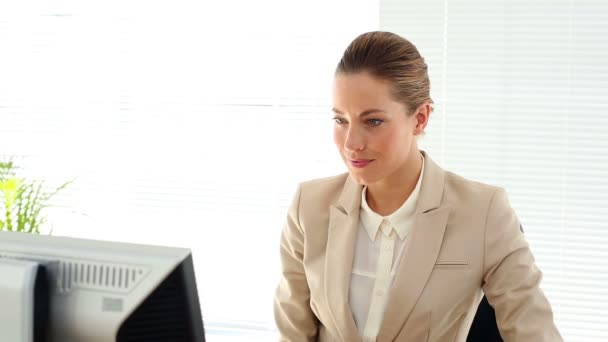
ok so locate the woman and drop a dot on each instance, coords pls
(398, 249)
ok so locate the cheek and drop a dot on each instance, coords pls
(338, 137)
(393, 142)
(387, 141)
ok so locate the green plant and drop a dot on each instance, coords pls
(23, 201)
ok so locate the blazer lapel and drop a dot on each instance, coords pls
(342, 235)
(420, 252)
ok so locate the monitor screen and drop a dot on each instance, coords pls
(103, 291)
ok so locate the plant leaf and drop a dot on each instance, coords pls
(23, 201)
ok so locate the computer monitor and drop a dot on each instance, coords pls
(113, 292)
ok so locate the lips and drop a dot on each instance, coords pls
(360, 163)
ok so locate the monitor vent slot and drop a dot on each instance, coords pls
(69, 274)
(74, 274)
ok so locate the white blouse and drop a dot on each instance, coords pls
(378, 249)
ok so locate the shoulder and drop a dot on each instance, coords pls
(326, 188)
(460, 190)
(479, 204)
(316, 196)
(451, 189)
(313, 199)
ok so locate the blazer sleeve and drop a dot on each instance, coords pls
(511, 279)
(293, 315)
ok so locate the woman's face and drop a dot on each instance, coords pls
(374, 133)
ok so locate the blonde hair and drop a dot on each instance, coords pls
(390, 57)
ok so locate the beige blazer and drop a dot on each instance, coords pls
(466, 238)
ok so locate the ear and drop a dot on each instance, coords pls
(421, 115)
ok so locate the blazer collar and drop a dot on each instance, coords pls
(350, 198)
(341, 239)
(433, 182)
(416, 264)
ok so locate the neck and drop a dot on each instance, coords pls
(387, 195)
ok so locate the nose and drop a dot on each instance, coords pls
(355, 140)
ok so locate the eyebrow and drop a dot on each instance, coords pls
(364, 113)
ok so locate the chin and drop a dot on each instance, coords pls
(362, 178)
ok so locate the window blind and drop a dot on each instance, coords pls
(520, 90)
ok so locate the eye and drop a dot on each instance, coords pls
(339, 121)
(374, 122)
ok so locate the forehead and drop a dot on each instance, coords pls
(360, 90)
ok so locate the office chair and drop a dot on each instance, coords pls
(484, 327)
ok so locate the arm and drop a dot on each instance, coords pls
(293, 315)
(511, 278)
